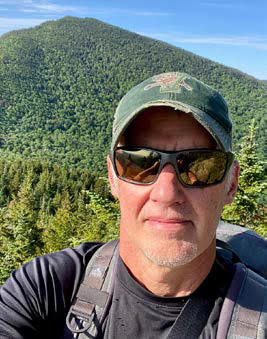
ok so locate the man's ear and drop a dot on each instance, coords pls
(232, 185)
(112, 178)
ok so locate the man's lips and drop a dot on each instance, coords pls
(166, 223)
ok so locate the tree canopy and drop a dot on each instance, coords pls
(60, 83)
(45, 208)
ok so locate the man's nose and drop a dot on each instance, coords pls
(167, 189)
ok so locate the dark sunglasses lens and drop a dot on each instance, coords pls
(201, 168)
(138, 165)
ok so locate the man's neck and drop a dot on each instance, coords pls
(171, 282)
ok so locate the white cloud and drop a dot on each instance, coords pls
(45, 7)
(39, 6)
(49, 7)
(120, 11)
(221, 5)
(15, 2)
(8, 24)
(144, 13)
(25, 10)
(53, 8)
(258, 42)
(40, 10)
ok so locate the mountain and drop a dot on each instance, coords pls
(60, 83)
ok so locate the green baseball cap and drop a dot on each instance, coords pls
(183, 93)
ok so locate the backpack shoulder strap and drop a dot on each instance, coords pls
(250, 247)
(244, 311)
(94, 295)
(220, 244)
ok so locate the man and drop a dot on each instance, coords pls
(172, 169)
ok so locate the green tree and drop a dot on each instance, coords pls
(248, 207)
(61, 228)
(103, 220)
(19, 236)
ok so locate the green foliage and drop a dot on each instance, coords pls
(104, 216)
(45, 208)
(248, 207)
(19, 234)
(59, 86)
(96, 221)
(61, 82)
(61, 228)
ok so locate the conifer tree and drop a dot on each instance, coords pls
(103, 219)
(248, 207)
(19, 236)
(61, 228)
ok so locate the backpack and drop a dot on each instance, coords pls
(243, 314)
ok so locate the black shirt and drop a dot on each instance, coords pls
(35, 300)
(137, 313)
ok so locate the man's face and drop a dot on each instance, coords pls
(166, 222)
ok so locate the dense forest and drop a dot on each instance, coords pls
(60, 83)
(59, 86)
(45, 207)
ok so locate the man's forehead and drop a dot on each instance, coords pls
(162, 120)
(153, 116)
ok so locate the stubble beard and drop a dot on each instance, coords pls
(184, 255)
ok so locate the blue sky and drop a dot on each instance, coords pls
(231, 32)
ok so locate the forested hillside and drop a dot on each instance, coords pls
(61, 81)
(59, 86)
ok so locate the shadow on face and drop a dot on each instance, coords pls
(161, 121)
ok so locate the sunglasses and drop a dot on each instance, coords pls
(194, 167)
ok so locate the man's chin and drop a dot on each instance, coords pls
(171, 257)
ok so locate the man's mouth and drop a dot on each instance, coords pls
(167, 224)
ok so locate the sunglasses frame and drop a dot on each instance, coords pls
(170, 157)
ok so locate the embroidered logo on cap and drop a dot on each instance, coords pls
(169, 82)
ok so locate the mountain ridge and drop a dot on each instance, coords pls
(61, 81)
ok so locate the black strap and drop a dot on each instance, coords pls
(193, 318)
(94, 295)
